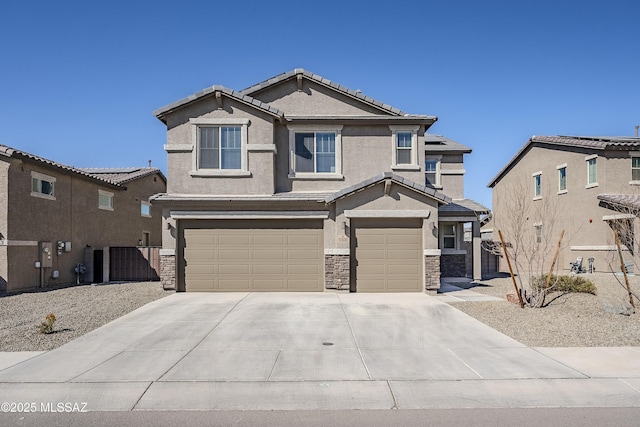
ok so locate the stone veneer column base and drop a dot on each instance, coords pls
(168, 271)
(431, 273)
(336, 272)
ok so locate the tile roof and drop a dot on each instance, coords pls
(325, 82)
(625, 201)
(586, 142)
(464, 206)
(395, 178)
(14, 153)
(436, 143)
(123, 175)
(239, 96)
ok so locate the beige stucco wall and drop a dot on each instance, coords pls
(452, 175)
(181, 163)
(373, 199)
(578, 211)
(73, 217)
(312, 100)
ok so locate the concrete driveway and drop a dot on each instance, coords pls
(309, 351)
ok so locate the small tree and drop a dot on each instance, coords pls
(531, 229)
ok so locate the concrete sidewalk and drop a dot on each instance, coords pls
(263, 351)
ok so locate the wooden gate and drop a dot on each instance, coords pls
(134, 263)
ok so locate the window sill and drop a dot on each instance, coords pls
(435, 187)
(405, 167)
(105, 208)
(537, 198)
(563, 192)
(595, 184)
(634, 182)
(43, 196)
(317, 176)
(223, 173)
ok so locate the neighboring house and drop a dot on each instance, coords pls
(53, 217)
(584, 185)
(300, 184)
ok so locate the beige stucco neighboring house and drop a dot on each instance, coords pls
(54, 217)
(300, 184)
(584, 185)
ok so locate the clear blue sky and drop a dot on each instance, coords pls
(80, 79)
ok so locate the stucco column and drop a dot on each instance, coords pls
(476, 250)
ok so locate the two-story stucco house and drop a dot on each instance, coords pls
(53, 217)
(589, 186)
(300, 184)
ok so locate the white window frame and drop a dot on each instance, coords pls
(293, 130)
(107, 195)
(444, 236)
(42, 177)
(196, 124)
(414, 165)
(142, 205)
(588, 159)
(438, 160)
(560, 189)
(634, 181)
(537, 185)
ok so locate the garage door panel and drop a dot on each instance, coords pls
(402, 254)
(403, 269)
(268, 240)
(277, 269)
(302, 269)
(269, 254)
(302, 254)
(263, 255)
(234, 269)
(270, 285)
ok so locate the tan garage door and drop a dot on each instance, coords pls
(280, 255)
(388, 255)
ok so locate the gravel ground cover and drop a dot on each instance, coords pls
(78, 310)
(569, 320)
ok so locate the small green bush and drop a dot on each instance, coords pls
(46, 327)
(575, 284)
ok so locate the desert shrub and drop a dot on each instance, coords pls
(563, 283)
(46, 327)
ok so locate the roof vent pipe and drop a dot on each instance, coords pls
(637, 130)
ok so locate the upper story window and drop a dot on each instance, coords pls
(432, 172)
(562, 179)
(220, 147)
(145, 209)
(592, 171)
(537, 185)
(43, 186)
(635, 169)
(105, 200)
(405, 147)
(315, 152)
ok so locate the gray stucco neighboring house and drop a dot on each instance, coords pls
(591, 183)
(54, 216)
(298, 183)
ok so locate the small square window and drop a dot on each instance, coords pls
(105, 200)
(43, 186)
(145, 209)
